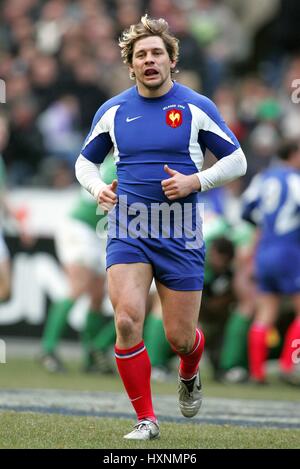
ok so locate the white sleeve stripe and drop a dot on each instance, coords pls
(208, 124)
(88, 174)
(194, 146)
(225, 170)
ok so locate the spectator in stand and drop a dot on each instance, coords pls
(25, 149)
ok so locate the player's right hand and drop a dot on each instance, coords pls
(107, 197)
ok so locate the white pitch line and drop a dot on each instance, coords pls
(226, 411)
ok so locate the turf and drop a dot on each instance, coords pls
(25, 373)
(34, 430)
(27, 430)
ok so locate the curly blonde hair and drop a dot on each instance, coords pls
(148, 27)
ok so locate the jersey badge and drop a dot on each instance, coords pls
(174, 118)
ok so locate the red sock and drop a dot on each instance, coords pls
(135, 371)
(257, 351)
(189, 362)
(292, 337)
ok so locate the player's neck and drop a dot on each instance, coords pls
(147, 92)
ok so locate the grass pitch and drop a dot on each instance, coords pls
(36, 430)
(28, 430)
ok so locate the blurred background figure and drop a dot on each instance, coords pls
(272, 201)
(5, 283)
(9, 217)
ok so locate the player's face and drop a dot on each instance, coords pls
(151, 66)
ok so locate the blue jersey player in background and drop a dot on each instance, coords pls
(272, 201)
(159, 131)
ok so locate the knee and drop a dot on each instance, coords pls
(127, 323)
(179, 342)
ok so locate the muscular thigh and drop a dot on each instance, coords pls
(128, 287)
(180, 308)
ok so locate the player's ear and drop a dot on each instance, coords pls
(131, 73)
(173, 65)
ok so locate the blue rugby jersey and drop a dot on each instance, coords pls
(146, 133)
(273, 201)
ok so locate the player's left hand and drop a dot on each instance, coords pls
(179, 185)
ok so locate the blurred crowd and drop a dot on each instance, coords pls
(59, 60)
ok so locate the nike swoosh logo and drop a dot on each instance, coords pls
(130, 119)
